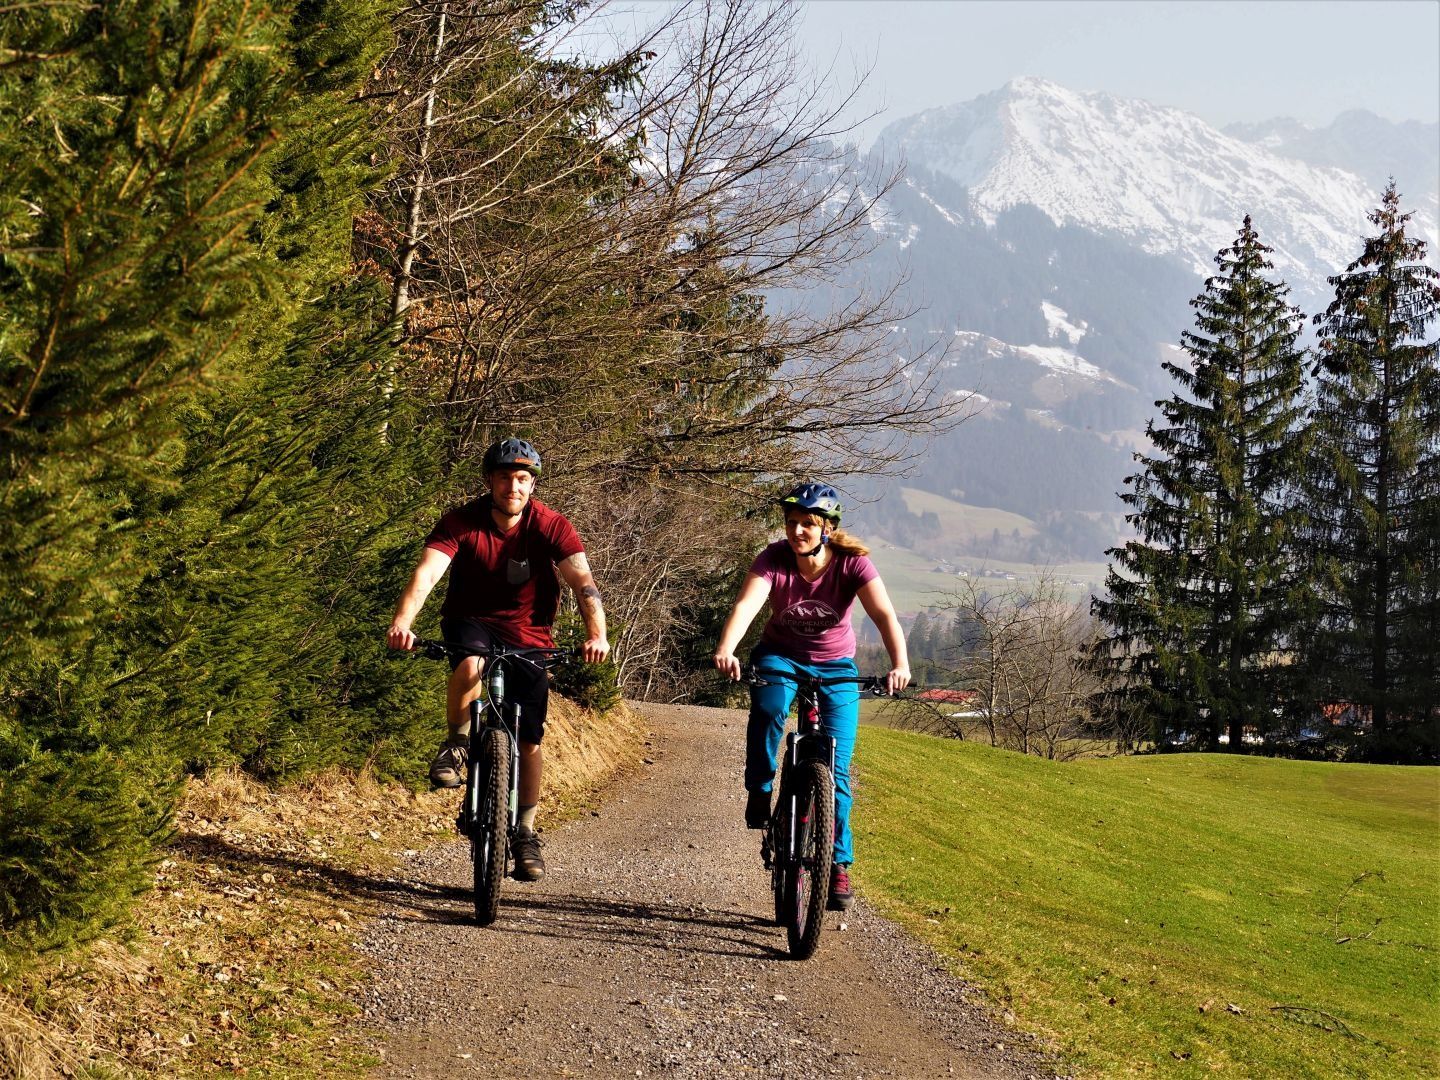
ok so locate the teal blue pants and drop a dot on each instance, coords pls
(839, 718)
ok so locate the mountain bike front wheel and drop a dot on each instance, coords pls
(489, 840)
(807, 880)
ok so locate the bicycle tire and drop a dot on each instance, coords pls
(808, 885)
(490, 838)
(779, 863)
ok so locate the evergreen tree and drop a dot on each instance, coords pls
(126, 268)
(919, 640)
(1373, 486)
(187, 420)
(1200, 603)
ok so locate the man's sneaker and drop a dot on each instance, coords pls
(841, 898)
(448, 768)
(757, 809)
(529, 866)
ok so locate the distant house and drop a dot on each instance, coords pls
(1346, 714)
(947, 697)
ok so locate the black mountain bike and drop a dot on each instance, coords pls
(489, 810)
(799, 843)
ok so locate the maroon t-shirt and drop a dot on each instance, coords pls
(506, 579)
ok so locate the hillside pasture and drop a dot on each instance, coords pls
(916, 581)
(1181, 914)
(963, 525)
(924, 576)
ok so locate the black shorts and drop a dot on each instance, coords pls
(525, 684)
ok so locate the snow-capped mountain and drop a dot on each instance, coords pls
(1360, 142)
(1162, 179)
(1051, 241)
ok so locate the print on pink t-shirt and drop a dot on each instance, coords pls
(810, 620)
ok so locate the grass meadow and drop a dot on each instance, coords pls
(1185, 914)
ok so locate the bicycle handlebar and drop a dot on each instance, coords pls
(541, 657)
(867, 684)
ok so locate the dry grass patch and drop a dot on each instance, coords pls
(240, 960)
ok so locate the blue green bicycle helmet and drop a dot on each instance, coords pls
(513, 453)
(821, 499)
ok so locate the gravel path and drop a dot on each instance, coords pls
(647, 951)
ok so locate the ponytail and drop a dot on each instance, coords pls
(842, 543)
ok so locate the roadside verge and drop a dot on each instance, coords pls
(240, 959)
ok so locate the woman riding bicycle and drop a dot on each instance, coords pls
(812, 578)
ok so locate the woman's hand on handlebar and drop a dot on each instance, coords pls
(400, 637)
(896, 679)
(729, 665)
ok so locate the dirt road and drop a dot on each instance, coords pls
(647, 951)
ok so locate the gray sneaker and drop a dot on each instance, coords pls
(448, 768)
(529, 866)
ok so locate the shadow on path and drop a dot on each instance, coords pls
(562, 916)
(324, 879)
(659, 926)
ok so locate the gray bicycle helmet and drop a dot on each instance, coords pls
(513, 453)
(819, 499)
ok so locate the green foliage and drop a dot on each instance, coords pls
(78, 827)
(1201, 603)
(197, 508)
(1373, 488)
(591, 686)
(126, 269)
(1170, 915)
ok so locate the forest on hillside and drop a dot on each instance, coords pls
(273, 278)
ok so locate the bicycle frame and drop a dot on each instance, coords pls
(485, 715)
(805, 744)
(493, 716)
(796, 846)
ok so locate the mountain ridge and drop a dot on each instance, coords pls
(1161, 178)
(1054, 323)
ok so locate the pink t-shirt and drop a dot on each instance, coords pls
(810, 620)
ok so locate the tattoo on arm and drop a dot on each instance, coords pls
(591, 594)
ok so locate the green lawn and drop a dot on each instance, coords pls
(1184, 914)
(963, 523)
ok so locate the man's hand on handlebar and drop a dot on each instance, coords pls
(595, 650)
(728, 664)
(400, 637)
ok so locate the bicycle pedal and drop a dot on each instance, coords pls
(460, 825)
(767, 856)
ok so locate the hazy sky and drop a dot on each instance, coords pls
(1223, 61)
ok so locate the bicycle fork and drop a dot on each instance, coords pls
(809, 744)
(513, 814)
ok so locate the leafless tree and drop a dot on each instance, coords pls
(567, 293)
(1022, 657)
(605, 256)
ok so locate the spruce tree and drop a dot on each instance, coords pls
(195, 512)
(126, 267)
(1372, 487)
(1200, 603)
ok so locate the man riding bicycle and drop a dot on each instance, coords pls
(503, 551)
